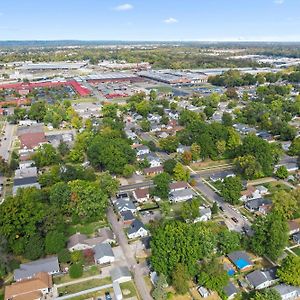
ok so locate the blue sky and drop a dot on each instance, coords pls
(185, 20)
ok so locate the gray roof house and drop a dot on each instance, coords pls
(137, 230)
(287, 292)
(260, 204)
(25, 177)
(296, 238)
(230, 290)
(48, 265)
(260, 279)
(181, 195)
(120, 274)
(240, 259)
(103, 254)
(125, 205)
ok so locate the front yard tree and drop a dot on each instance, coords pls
(180, 279)
(180, 173)
(284, 203)
(169, 166)
(267, 294)
(231, 189)
(282, 172)
(190, 209)
(270, 235)
(289, 272)
(76, 270)
(161, 185)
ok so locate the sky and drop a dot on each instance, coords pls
(151, 20)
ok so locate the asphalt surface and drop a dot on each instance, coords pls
(136, 269)
(131, 187)
(6, 141)
(228, 210)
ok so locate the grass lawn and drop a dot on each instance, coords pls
(128, 290)
(92, 295)
(87, 229)
(94, 270)
(276, 186)
(210, 164)
(296, 250)
(148, 205)
(75, 288)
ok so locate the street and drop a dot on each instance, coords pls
(6, 140)
(129, 255)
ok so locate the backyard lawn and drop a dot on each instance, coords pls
(82, 286)
(296, 250)
(92, 271)
(87, 229)
(128, 290)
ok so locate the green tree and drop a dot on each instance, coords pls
(282, 172)
(145, 125)
(196, 151)
(46, 155)
(186, 157)
(88, 201)
(128, 171)
(215, 208)
(270, 235)
(289, 271)
(169, 166)
(295, 147)
(229, 241)
(37, 111)
(221, 147)
(180, 173)
(76, 270)
(267, 294)
(284, 203)
(213, 276)
(190, 209)
(169, 144)
(34, 248)
(108, 184)
(180, 279)
(54, 242)
(64, 256)
(227, 119)
(162, 185)
(248, 167)
(159, 292)
(231, 189)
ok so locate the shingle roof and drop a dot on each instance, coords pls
(258, 277)
(135, 226)
(178, 185)
(102, 250)
(230, 289)
(127, 215)
(27, 270)
(119, 272)
(28, 288)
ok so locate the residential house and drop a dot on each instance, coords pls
(249, 194)
(152, 158)
(79, 242)
(221, 176)
(204, 293)
(35, 288)
(181, 149)
(32, 138)
(241, 260)
(153, 171)
(127, 217)
(204, 214)
(130, 134)
(141, 195)
(261, 205)
(120, 274)
(178, 186)
(103, 254)
(230, 290)
(293, 227)
(181, 195)
(287, 292)
(261, 279)
(142, 150)
(49, 265)
(137, 230)
(296, 238)
(25, 177)
(124, 205)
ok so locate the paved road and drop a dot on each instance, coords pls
(129, 255)
(131, 187)
(6, 140)
(228, 209)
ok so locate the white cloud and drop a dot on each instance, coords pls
(124, 7)
(279, 1)
(170, 21)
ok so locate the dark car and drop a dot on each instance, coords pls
(108, 296)
(221, 208)
(234, 219)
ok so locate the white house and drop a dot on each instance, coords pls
(141, 195)
(137, 230)
(124, 205)
(205, 214)
(287, 292)
(141, 150)
(259, 279)
(120, 274)
(103, 254)
(178, 186)
(181, 195)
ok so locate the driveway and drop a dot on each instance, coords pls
(136, 269)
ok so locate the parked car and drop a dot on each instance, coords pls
(234, 219)
(108, 296)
